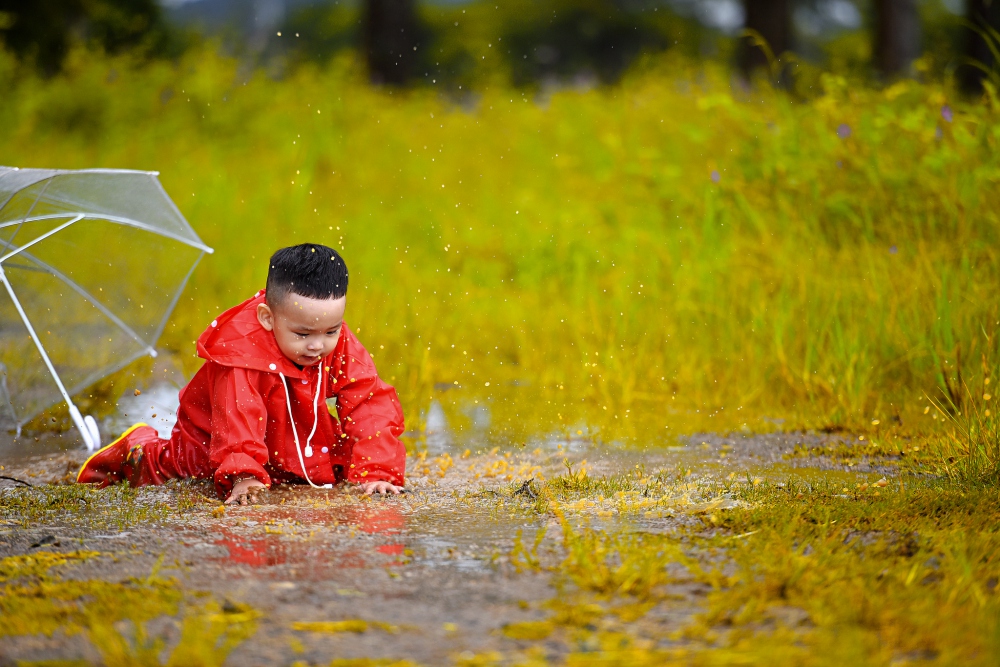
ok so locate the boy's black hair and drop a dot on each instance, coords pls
(310, 270)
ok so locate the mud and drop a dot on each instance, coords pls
(432, 563)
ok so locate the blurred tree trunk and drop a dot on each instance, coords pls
(983, 14)
(390, 35)
(771, 20)
(897, 36)
(41, 31)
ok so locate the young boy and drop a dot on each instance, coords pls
(256, 413)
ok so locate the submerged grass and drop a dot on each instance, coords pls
(809, 573)
(663, 255)
(909, 573)
(117, 506)
(113, 615)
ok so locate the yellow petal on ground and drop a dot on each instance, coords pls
(355, 625)
(529, 630)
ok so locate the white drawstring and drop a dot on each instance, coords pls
(295, 432)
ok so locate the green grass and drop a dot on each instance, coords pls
(803, 573)
(572, 249)
(33, 601)
(115, 507)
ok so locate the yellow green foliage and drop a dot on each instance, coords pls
(663, 254)
(33, 602)
(38, 563)
(116, 506)
(210, 633)
(820, 573)
(906, 571)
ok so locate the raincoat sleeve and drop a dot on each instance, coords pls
(371, 418)
(239, 422)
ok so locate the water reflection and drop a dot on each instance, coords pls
(314, 557)
(480, 416)
(156, 406)
(436, 431)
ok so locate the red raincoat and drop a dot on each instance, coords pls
(234, 417)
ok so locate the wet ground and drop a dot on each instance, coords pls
(433, 565)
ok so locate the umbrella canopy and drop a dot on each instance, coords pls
(92, 262)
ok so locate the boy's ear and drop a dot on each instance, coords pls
(265, 316)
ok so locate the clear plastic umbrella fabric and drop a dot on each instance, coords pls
(92, 263)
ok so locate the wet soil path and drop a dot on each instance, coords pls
(431, 565)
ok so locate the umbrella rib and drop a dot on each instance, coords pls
(130, 222)
(41, 238)
(49, 216)
(177, 296)
(76, 287)
(45, 187)
(74, 412)
(104, 371)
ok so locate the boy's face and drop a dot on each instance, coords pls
(306, 329)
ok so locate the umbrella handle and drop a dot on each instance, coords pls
(81, 425)
(95, 433)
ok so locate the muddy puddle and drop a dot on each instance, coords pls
(433, 563)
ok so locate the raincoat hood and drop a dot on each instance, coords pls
(238, 340)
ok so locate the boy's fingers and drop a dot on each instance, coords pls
(382, 488)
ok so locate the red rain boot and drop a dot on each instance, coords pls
(121, 461)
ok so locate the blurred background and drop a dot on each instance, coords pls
(611, 219)
(588, 42)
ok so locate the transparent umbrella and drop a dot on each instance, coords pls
(92, 262)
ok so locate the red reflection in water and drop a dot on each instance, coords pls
(317, 562)
(376, 521)
(385, 522)
(390, 549)
(254, 553)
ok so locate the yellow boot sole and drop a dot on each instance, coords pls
(119, 439)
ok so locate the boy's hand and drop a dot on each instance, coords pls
(380, 488)
(246, 492)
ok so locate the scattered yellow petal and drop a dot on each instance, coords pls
(530, 630)
(355, 625)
